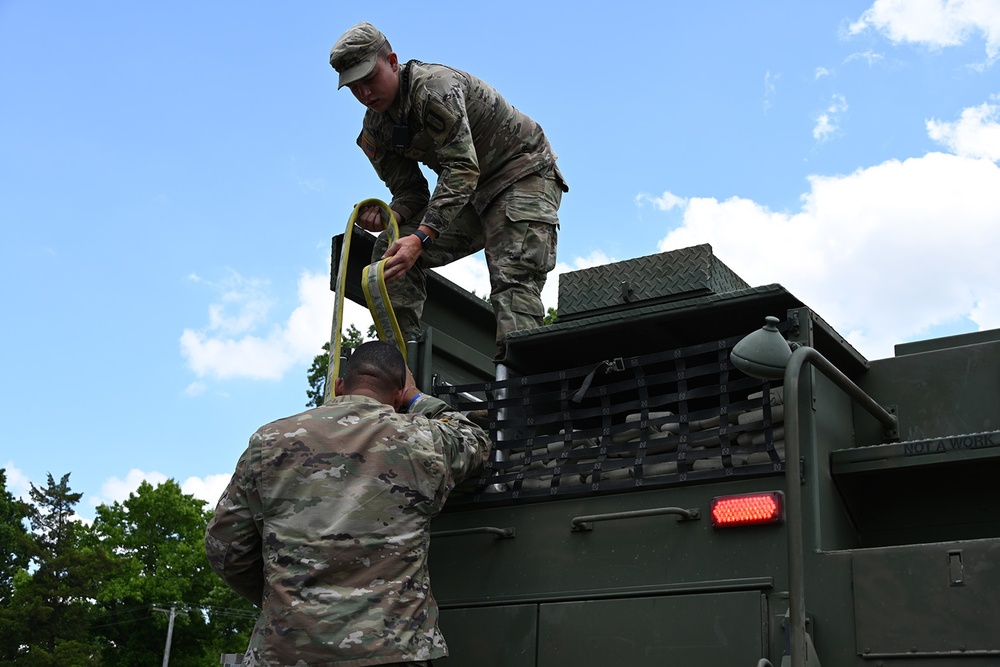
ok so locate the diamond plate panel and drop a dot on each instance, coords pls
(667, 276)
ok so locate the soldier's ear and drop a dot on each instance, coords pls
(399, 400)
(393, 61)
(338, 386)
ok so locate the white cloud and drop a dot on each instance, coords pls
(596, 258)
(821, 72)
(824, 127)
(976, 134)
(115, 489)
(882, 254)
(249, 300)
(228, 346)
(208, 488)
(827, 123)
(469, 273)
(18, 484)
(934, 23)
(472, 274)
(665, 202)
(195, 389)
(870, 57)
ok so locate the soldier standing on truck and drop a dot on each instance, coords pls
(498, 186)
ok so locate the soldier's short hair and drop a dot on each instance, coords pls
(377, 364)
(385, 50)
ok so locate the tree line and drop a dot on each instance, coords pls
(75, 594)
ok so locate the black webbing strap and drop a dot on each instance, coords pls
(581, 431)
(604, 367)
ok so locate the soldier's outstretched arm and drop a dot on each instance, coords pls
(466, 446)
(233, 540)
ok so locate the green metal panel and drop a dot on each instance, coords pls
(828, 426)
(490, 636)
(928, 600)
(709, 629)
(548, 560)
(940, 392)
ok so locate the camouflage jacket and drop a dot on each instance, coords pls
(472, 138)
(325, 526)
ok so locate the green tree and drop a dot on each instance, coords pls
(50, 608)
(321, 363)
(551, 316)
(157, 536)
(13, 539)
(13, 562)
(75, 595)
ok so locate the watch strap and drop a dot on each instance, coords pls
(425, 239)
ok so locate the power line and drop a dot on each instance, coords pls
(126, 610)
(122, 615)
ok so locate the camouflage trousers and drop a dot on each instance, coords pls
(419, 663)
(250, 659)
(518, 231)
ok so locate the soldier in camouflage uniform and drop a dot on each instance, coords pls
(325, 523)
(498, 186)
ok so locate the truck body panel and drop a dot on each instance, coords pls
(589, 539)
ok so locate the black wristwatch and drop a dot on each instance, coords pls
(425, 239)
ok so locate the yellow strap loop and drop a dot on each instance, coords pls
(373, 286)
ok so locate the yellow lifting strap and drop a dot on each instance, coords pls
(373, 285)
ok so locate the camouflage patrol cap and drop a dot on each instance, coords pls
(355, 53)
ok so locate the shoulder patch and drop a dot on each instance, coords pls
(439, 116)
(367, 146)
(434, 121)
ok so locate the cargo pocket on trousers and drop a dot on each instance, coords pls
(522, 304)
(533, 228)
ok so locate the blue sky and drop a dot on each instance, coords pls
(171, 175)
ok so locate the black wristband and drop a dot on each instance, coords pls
(425, 239)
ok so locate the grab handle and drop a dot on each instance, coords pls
(499, 533)
(582, 523)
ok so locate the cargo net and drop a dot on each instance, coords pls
(674, 417)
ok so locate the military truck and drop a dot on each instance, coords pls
(689, 470)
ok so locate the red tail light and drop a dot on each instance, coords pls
(749, 509)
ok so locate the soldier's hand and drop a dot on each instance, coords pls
(372, 218)
(403, 255)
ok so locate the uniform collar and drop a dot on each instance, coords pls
(400, 108)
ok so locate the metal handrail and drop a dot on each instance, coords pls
(580, 523)
(500, 533)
